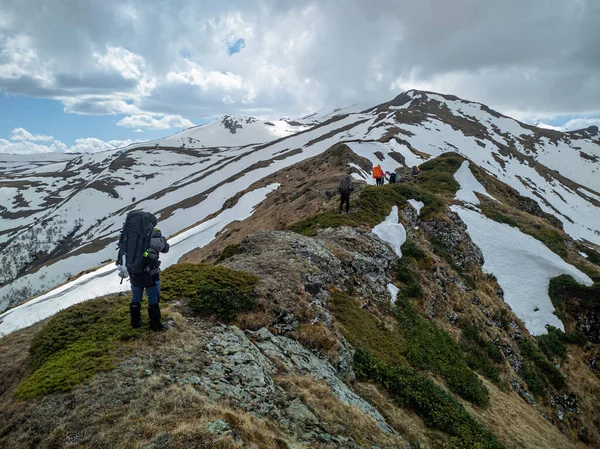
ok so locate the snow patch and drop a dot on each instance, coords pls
(391, 231)
(523, 267)
(104, 280)
(469, 185)
(393, 292)
(417, 205)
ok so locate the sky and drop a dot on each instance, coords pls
(85, 76)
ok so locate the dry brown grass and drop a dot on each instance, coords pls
(405, 422)
(517, 424)
(336, 417)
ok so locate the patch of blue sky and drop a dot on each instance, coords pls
(235, 46)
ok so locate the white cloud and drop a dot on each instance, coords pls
(153, 58)
(149, 122)
(23, 134)
(580, 123)
(85, 145)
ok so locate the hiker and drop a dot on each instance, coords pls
(392, 177)
(415, 172)
(378, 175)
(140, 245)
(345, 189)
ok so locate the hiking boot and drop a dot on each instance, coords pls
(136, 315)
(154, 314)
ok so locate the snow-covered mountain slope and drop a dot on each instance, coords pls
(230, 131)
(60, 217)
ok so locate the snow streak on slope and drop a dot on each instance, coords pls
(104, 280)
(523, 267)
(469, 185)
(391, 231)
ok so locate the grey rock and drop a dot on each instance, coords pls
(298, 412)
(217, 427)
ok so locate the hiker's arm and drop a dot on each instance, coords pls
(165, 247)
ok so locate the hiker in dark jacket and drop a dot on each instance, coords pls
(345, 190)
(150, 280)
(415, 172)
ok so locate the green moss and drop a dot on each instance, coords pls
(501, 218)
(437, 408)
(76, 344)
(223, 303)
(439, 250)
(437, 175)
(228, 252)
(415, 339)
(187, 280)
(537, 371)
(554, 343)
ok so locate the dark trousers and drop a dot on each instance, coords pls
(345, 198)
(380, 181)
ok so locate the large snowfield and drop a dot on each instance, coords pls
(522, 265)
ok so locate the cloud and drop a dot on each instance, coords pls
(580, 123)
(85, 145)
(23, 134)
(149, 122)
(538, 58)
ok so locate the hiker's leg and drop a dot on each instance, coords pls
(135, 306)
(153, 293)
(341, 202)
(347, 200)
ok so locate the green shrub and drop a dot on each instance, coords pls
(480, 354)
(414, 339)
(554, 343)
(565, 290)
(537, 371)
(75, 344)
(501, 218)
(224, 303)
(430, 348)
(553, 239)
(437, 408)
(186, 280)
(371, 207)
(228, 252)
(437, 175)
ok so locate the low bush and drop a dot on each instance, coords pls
(222, 302)
(370, 208)
(76, 344)
(554, 343)
(537, 371)
(430, 348)
(415, 340)
(481, 355)
(186, 280)
(437, 408)
(228, 252)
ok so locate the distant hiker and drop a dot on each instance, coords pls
(139, 246)
(345, 190)
(378, 175)
(415, 172)
(393, 177)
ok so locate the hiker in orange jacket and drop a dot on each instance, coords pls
(378, 174)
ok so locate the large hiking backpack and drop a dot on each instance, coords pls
(135, 241)
(393, 178)
(345, 186)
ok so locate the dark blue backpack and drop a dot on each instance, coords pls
(135, 241)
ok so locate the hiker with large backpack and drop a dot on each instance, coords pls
(415, 172)
(392, 177)
(140, 245)
(345, 189)
(378, 175)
